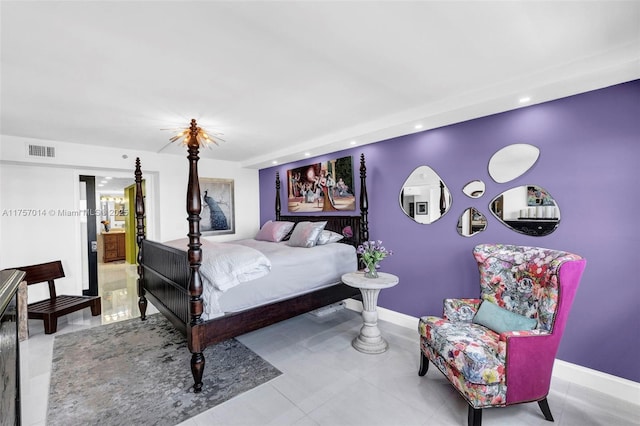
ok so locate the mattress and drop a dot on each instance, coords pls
(294, 271)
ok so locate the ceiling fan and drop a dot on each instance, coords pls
(184, 135)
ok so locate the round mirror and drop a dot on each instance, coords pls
(424, 197)
(471, 222)
(529, 209)
(474, 189)
(512, 161)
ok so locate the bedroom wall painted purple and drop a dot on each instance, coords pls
(589, 153)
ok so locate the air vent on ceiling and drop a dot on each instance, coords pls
(42, 151)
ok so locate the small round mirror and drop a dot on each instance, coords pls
(512, 161)
(474, 189)
(471, 222)
(529, 210)
(424, 197)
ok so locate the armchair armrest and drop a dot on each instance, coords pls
(506, 339)
(529, 363)
(460, 309)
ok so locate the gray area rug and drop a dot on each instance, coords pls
(138, 373)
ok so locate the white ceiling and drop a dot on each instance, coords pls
(112, 186)
(283, 78)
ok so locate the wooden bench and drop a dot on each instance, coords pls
(56, 306)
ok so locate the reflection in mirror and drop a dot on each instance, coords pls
(471, 222)
(512, 161)
(474, 189)
(530, 210)
(424, 196)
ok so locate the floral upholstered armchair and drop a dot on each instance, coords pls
(499, 350)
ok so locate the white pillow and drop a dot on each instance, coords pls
(274, 231)
(328, 237)
(306, 234)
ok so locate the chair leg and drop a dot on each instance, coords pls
(50, 324)
(544, 406)
(96, 307)
(424, 364)
(474, 416)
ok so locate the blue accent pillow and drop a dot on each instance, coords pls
(500, 320)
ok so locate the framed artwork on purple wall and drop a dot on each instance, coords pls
(217, 216)
(321, 187)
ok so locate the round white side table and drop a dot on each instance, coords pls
(370, 340)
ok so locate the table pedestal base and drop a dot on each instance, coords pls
(370, 340)
(370, 346)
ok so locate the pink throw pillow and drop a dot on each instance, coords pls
(274, 231)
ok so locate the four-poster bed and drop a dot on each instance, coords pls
(172, 280)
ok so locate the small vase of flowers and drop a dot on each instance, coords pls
(371, 253)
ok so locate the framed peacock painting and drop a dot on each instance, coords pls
(217, 216)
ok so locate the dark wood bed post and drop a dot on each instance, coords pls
(364, 202)
(142, 300)
(194, 207)
(278, 207)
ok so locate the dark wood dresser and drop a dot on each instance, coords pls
(9, 348)
(113, 246)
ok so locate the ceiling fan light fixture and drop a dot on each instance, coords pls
(200, 135)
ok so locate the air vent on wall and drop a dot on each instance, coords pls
(42, 151)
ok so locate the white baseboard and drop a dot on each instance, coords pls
(386, 315)
(616, 387)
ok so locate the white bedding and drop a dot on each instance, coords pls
(294, 271)
(291, 271)
(225, 265)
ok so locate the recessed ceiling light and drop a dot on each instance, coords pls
(418, 126)
(275, 162)
(353, 142)
(100, 184)
(306, 154)
(524, 99)
(103, 181)
(108, 177)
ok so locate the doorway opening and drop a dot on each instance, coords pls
(108, 257)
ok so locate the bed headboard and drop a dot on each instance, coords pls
(337, 224)
(359, 224)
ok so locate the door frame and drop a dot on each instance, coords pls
(92, 234)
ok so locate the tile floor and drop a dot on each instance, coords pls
(324, 381)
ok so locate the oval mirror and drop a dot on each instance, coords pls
(471, 222)
(424, 197)
(512, 161)
(474, 189)
(529, 210)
